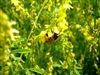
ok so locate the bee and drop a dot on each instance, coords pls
(51, 38)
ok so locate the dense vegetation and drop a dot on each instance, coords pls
(49, 37)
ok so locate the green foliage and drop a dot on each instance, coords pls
(6, 35)
(35, 51)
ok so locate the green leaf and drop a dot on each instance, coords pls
(77, 72)
(21, 51)
(37, 69)
(56, 65)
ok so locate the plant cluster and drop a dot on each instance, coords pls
(49, 37)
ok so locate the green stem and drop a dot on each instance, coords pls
(34, 25)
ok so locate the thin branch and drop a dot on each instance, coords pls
(34, 25)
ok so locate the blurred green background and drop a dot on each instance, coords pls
(29, 46)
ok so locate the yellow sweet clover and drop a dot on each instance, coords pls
(6, 34)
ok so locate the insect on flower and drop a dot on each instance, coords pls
(51, 38)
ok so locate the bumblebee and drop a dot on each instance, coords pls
(51, 38)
